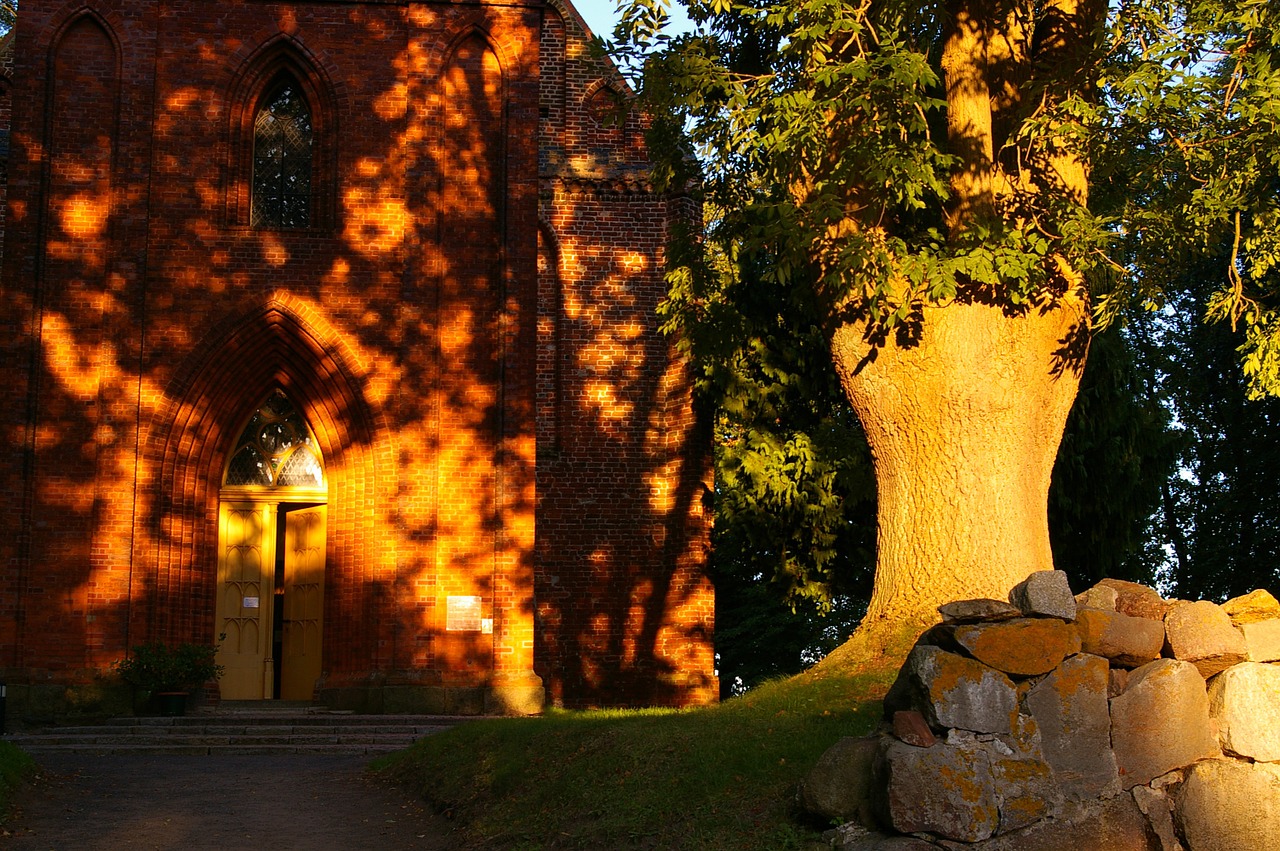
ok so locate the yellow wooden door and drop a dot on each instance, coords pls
(246, 562)
(303, 603)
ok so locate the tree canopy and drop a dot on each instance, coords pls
(795, 114)
(820, 136)
(1193, 167)
(1002, 172)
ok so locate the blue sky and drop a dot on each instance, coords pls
(601, 15)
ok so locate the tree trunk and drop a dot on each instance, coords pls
(964, 425)
(965, 409)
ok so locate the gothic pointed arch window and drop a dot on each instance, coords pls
(283, 168)
(283, 145)
(276, 450)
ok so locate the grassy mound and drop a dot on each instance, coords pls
(15, 766)
(710, 778)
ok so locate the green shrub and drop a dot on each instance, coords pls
(157, 667)
(15, 766)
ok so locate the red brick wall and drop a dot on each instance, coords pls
(487, 428)
(625, 611)
(6, 105)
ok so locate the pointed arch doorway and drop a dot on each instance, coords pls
(271, 558)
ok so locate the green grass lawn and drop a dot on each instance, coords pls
(717, 777)
(15, 766)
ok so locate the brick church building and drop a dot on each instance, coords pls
(329, 332)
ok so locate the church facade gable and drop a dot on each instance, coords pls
(408, 226)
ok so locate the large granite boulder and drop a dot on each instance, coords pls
(1201, 633)
(947, 790)
(1100, 597)
(968, 787)
(839, 785)
(1161, 722)
(1244, 700)
(1071, 708)
(1022, 647)
(1253, 607)
(1140, 601)
(1230, 805)
(982, 610)
(1045, 593)
(1026, 788)
(1125, 640)
(958, 693)
(1261, 640)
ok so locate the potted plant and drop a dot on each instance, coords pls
(168, 674)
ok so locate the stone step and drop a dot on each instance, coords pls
(213, 738)
(178, 748)
(289, 730)
(254, 730)
(282, 718)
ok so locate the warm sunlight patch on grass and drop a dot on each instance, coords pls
(709, 778)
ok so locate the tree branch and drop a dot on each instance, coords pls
(969, 129)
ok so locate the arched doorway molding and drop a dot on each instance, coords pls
(280, 342)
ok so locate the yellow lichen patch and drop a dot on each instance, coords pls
(963, 783)
(1253, 607)
(1024, 647)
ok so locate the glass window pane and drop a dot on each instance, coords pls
(276, 449)
(276, 438)
(248, 467)
(283, 141)
(302, 469)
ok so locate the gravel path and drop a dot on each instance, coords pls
(282, 803)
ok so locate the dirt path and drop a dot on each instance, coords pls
(284, 803)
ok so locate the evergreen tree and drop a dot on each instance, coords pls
(1218, 530)
(1118, 453)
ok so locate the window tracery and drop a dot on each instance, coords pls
(283, 140)
(276, 449)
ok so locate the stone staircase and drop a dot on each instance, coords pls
(240, 728)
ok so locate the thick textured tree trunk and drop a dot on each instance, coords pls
(964, 426)
(964, 413)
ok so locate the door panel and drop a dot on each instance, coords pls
(245, 559)
(303, 602)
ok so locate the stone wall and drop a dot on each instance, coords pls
(1114, 719)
